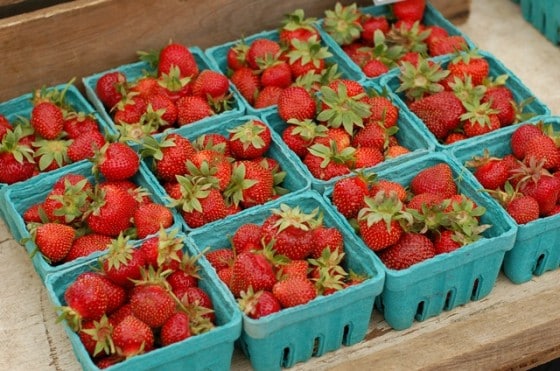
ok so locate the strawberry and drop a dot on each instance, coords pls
(440, 112)
(109, 87)
(197, 302)
(85, 299)
(469, 64)
(150, 217)
(175, 329)
(123, 263)
(213, 166)
(130, 111)
(545, 189)
(520, 137)
(249, 140)
(251, 270)
(96, 337)
(396, 151)
(169, 155)
(374, 68)
(343, 23)
(247, 83)
(258, 304)
(542, 148)
(409, 10)
(268, 96)
(260, 49)
(426, 199)
(436, 32)
(247, 237)
(85, 145)
(328, 162)
(16, 160)
(367, 157)
(371, 23)
(307, 57)
(75, 124)
(116, 161)
(296, 103)
(47, 120)
(221, 258)
(236, 56)
(54, 240)
(382, 110)
(388, 186)
(445, 241)
(412, 248)
(112, 210)
(152, 304)
(132, 337)
(276, 73)
(4, 126)
(191, 109)
(161, 112)
(299, 135)
(501, 99)
(326, 238)
(492, 173)
(294, 291)
(251, 184)
(348, 195)
(295, 26)
(436, 179)
(146, 87)
(212, 84)
(446, 45)
(86, 245)
(175, 54)
(371, 135)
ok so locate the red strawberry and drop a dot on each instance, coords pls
(150, 217)
(258, 304)
(326, 238)
(445, 241)
(545, 190)
(469, 64)
(299, 135)
(247, 82)
(151, 304)
(295, 26)
(86, 245)
(235, 56)
(251, 184)
(130, 111)
(195, 298)
(493, 173)
(170, 156)
(96, 337)
(117, 161)
(370, 24)
(161, 111)
(268, 96)
(307, 57)
(132, 337)
(123, 263)
(436, 179)
(440, 112)
(388, 186)
(520, 137)
(85, 299)
(296, 103)
(374, 68)
(247, 237)
(214, 166)
(191, 109)
(212, 84)
(108, 88)
(378, 221)
(294, 291)
(175, 54)
(54, 241)
(260, 49)
(501, 99)
(409, 10)
(147, 87)
(253, 270)
(212, 207)
(249, 140)
(367, 157)
(426, 199)
(542, 148)
(175, 329)
(77, 124)
(47, 120)
(85, 145)
(447, 45)
(112, 211)
(412, 248)
(523, 209)
(220, 258)
(277, 73)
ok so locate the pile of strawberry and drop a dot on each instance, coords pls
(378, 43)
(216, 175)
(54, 135)
(405, 225)
(341, 128)
(460, 100)
(527, 180)
(261, 69)
(288, 260)
(139, 300)
(79, 216)
(176, 93)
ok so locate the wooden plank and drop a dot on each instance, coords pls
(456, 11)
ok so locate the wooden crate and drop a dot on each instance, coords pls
(51, 45)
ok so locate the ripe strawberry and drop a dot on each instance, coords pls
(220, 258)
(409, 10)
(295, 26)
(16, 162)
(276, 73)
(132, 337)
(247, 237)
(116, 161)
(175, 329)
(236, 56)
(130, 111)
(258, 304)
(85, 145)
(296, 102)
(445, 241)
(247, 83)
(150, 217)
(501, 99)
(299, 135)
(440, 112)
(469, 64)
(54, 240)
(191, 109)
(326, 238)
(388, 186)
(436, 179)
(47, 120)
(259, 49)
(251, 184)
(327, 163)
(75, 124)
(520, 137)
(212, 84)
(112, 211)
(343, 23)
(213, 166)
(426, 199)
(123, 263)
(545, 190)
(412, 248)
(493, 173)
(374, 68)
(109, 88)
(542, 148)
(436, 32)
(169, 155)
(307, 57)
(212, 207)
(382, 111)
(378, 221)
(152, 304)
(175, 54)
(523, 209)
(250, 269)
(249, 140)
(367, 157)
(447, 45)
(396, 151)
(85, 299)
(288, 231)
(268, 96)
(294, 291)
(86, 245)
(96, 337)
(146, 87)
(161, 112)
(370, 24)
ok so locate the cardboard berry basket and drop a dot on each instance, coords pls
(211, 350)
(409, 135)
(324, 324)
(134, 71)
(218, 58)
(536, 245)
(544, 15)
(432, 17)
(22, 106)
(448, 280)
(295, 180)
(16, 199)
(496, 68)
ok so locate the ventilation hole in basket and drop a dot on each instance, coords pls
(449, 300)
(539, 267)
(420, 311)
(346, 335)
(286, 357)
(316, 347)
(475, 289)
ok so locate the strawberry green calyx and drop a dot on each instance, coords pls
(101, 333)
(309, 51)
(478, 112)
(295, 217)
(410, 38)
(204, 174)
(343, 110)
(193, 189)
(466, 91)
(173, 81)
(308, 129)
(343, 23)
(10, 143)
(56, 96)
(332, 154)
(464, 217)
(74, 200)
(119, 252)
(424, 78)
(384, 207)
(52, 153)
(388, 54)
(249, 134)
(168, 246)
(297, 20)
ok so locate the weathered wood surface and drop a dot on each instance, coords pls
(82, 37)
